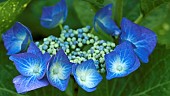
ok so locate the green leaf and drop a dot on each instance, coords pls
(9, 11)
(86, 16)
(149, 5)
(159, 23)
(129, 11)
(154, 18)
(118, 11)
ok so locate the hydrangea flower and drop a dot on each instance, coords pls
(122, 61)
(104, 21)
(143, 39)
(59, 70)
(71, 53)
(86, 75)
(17, 38)
(52, 16)
(32, 67)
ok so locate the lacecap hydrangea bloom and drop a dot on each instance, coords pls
(57, 59)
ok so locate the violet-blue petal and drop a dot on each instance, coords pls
(105, 11)
(29, 64)
(135, 66)
(52, 16)
(104, 21)
(44, 58)
(24, 84)
(143, 39)
(59, 70)
(33, 49)
(86, 75)
(17, 38)
(120, 61)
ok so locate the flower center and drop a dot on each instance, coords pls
(119, 68)
(55, 71)
(36, 70)
(83, 78)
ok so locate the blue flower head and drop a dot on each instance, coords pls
(32, 67)
(104, 21)
(122, 61)
(59, 70)
(143, 39)
(52, 16)
(17, 38)
(86, 75)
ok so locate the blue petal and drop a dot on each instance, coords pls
(119, 61)
(135, 66)
(61, 7)
(29, 64)
(17, 38)
(143, 54)
(104, 12)
(104, 21)
(44, 58)
(59, 70)
(24, 84)
(33, 49)
(143, 39)
(36, 51)
(54, 15)
(61, 56)
(87, 70)
(58, 83)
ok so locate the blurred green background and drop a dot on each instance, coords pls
(152, 79)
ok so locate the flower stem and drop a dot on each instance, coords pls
(118, 13)
(139, 19)
(107, 89)
(61, 27)
(92, 30)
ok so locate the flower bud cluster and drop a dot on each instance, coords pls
(73, 42)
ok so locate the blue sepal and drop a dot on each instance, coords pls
(24, 84)
(24, 62)
(17, 38)
(59, 70)
(54, 15)
(104, 21)
(86, 75)
(143, 39)
(120, 62)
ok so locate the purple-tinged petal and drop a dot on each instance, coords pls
(17, 38)
(135, 66)
(24, 84)
(143, 39)
(33, 49)
(86, 75)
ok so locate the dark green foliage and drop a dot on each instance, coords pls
(149, 5)
(9, 11)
